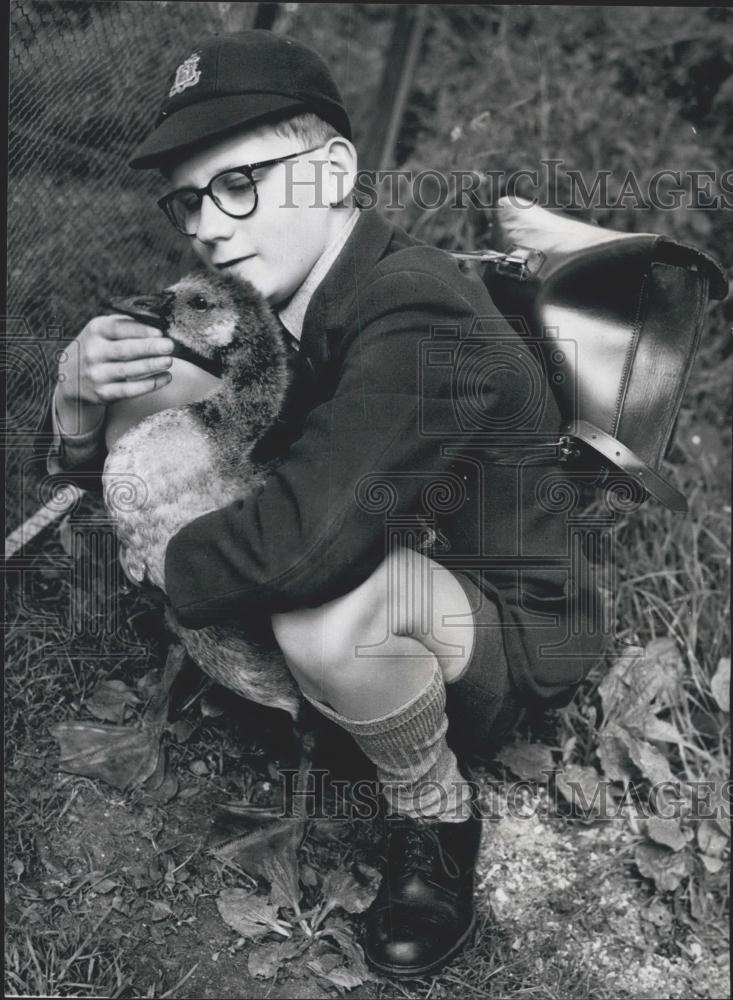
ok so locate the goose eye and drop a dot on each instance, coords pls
(199, 302)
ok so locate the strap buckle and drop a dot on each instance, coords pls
(519, 263)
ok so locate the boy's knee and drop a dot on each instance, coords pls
(315, 642)
(328, 645)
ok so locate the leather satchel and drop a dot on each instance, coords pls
(618, 318)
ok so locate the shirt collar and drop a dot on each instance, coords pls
(293, 312)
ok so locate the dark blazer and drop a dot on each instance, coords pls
(415, 412)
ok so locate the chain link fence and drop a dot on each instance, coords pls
(86, 80)
(85, 84)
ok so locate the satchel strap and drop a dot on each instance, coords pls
(619, 455)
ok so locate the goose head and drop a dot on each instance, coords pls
(212, 319)
(203, 312)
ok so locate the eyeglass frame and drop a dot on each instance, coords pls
(247, 169)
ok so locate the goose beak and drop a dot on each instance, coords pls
(152, 310)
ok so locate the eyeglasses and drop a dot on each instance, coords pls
(233, 191)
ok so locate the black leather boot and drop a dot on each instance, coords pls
(424, 912)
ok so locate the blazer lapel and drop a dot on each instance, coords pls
(326, 318)
(333, 300)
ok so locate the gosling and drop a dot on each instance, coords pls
(179, 463)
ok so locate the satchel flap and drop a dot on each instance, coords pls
(617, 318)
(558, 237)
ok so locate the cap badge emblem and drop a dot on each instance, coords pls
(187, 75)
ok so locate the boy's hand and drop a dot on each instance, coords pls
(113, 358)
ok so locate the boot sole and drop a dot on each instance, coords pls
(401, 972)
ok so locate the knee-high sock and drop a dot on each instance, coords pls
(416, 767)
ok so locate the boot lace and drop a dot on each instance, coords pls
(423, 851)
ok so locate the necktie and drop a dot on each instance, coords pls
(289, 340)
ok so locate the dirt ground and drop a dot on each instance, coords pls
(566, 893)
(562, 912)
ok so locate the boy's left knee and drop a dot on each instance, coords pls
(319, 644)
(331, 633)
(407, 595)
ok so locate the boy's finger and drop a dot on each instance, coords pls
(132, 350)
(126, 371)
(123, 327)
(141, 386)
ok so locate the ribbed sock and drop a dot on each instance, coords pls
(416, 767)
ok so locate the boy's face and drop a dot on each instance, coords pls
(276, 247)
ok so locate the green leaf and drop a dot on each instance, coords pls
(657, 913)
(667, 831)
(344, 978)
(269, 851)
(308, 876)
(614, 687)
(527, 760)
(161, 910)
(180, 730)
(265, 960)
(341, 888)
(162, 785)
(111, 701)
(667, 868)
(352, 951)
(339, 976)
(250, 915)
(664, 732)
(613, 754)
(652, 764)
(617, 746)
(344, 890)
(712, 864)
(581, 787)
(105, 886)
(122, 756)
(643, 684)
(710, 839)
(280, 868)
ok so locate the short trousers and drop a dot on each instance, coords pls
(482, 705)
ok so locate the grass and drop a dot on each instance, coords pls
(58, 964)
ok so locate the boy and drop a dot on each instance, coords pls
(379, 439)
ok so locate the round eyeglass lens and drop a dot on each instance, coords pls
(184, 208)
(234, 192)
